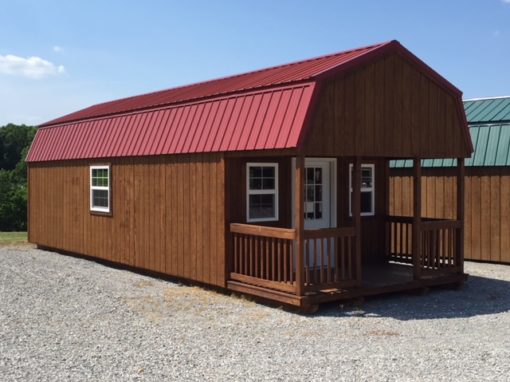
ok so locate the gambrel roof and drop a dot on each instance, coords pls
(264, 109)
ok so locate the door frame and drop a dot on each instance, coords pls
(333, 180)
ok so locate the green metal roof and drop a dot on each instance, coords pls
(489, 125)
(488, 110)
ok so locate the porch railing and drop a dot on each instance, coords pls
(266, 257)
(399, 239)
(437, 247)
(263, 256)
(329, 258)
(438, 240)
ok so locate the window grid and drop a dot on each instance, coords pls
(261, 192)
(100, 188)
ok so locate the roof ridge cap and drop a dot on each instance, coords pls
(485, 98)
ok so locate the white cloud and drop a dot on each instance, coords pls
(57, 49)
(31, 67)
(505, 1)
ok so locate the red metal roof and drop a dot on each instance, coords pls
(265, 109)
(275, 76)
(264, 119)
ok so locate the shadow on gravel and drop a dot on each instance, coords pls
(478, 296)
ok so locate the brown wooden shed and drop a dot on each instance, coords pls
(273, 183)
(487, 200)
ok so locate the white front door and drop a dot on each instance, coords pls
(319, 193)
(319, 199)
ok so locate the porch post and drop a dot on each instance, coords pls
(299, 222)
(459, 237)
(387, 228)
(356, 213)
(416, 217)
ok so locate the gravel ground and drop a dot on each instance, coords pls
(63, 318)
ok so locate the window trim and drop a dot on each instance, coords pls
(100, 210)
(262, 192)
(363, 189)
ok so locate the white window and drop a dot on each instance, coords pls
(367, 189)
(261, 192)
(100, 188)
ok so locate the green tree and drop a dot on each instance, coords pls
(15, 141)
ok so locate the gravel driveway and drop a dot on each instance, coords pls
(63, 318)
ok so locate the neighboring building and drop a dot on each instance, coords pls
(487, 198)
(244, 182)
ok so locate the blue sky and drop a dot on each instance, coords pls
(59, 56)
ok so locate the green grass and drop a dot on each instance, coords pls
(13, 238)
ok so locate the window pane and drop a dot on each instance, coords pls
(310, 195)
(255, 183)
(366, 177)
(100, 198)
(309, 175)
(262, 206)
(268, 184)
(255, 172)
(100, 177)
(366, 202)
(318, 193)
(318, 210)
(318, 175)
(268, 172)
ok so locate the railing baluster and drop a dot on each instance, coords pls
(350, 254)
(291, 257)
(313, 243)
(279, 259)
(402, 240)
(306, 261)
(330, 258)
(273, 256)
(452, 244)
(285, 263)
(321, 246)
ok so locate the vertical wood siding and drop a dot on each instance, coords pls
(167, 214)
(388, 109)
(487, 207)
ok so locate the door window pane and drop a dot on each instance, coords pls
(313, 193)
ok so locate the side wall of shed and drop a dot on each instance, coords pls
(487, 206)
(168, 214)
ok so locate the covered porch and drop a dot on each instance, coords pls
(304, 264)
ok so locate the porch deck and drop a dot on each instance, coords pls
(377, 280)
(264, 262)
